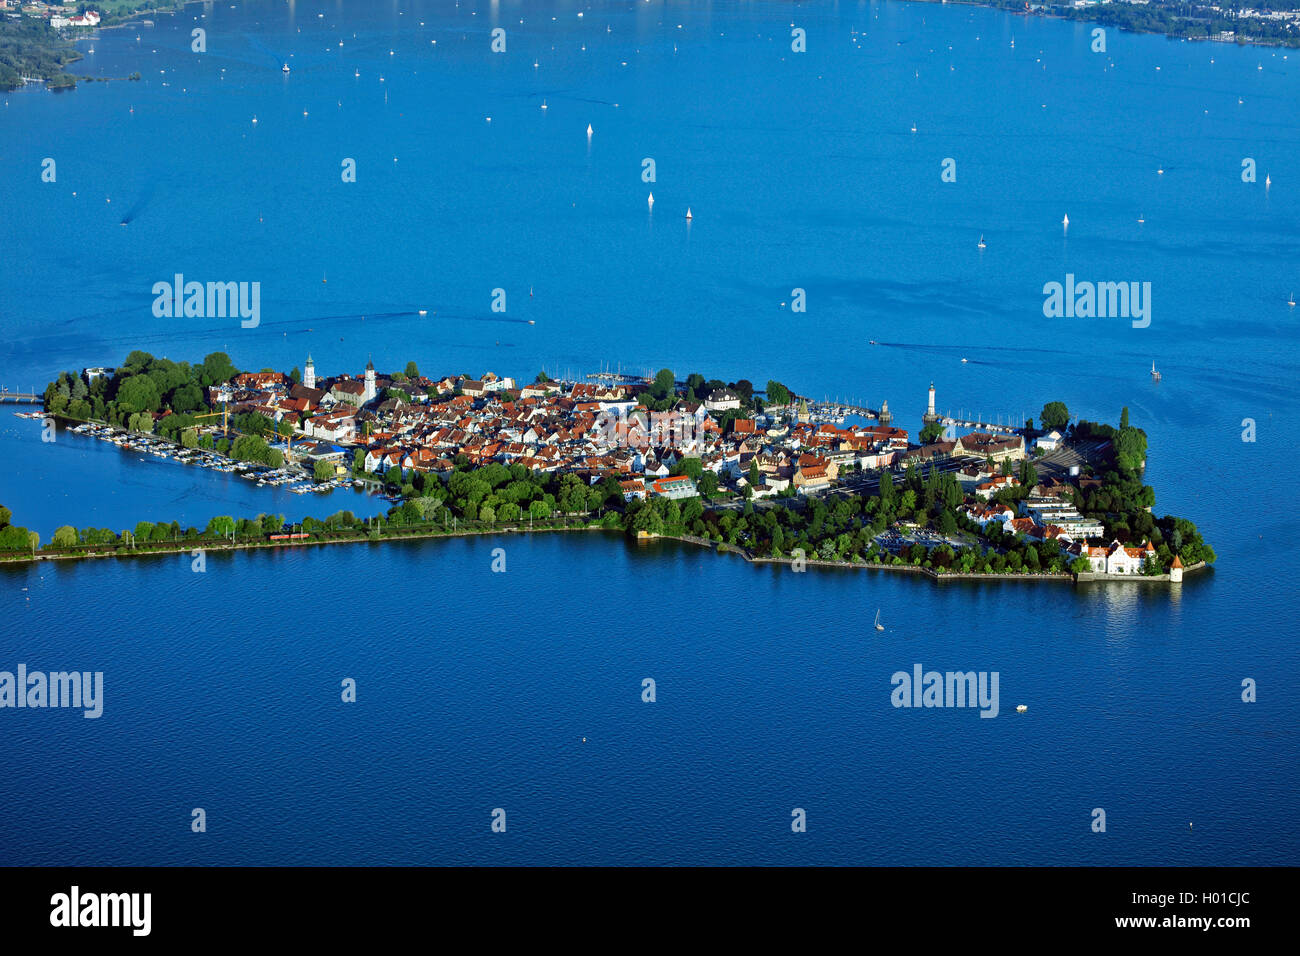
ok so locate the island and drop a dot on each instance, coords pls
(765, 474)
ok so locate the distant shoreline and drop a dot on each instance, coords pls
(1085, 16)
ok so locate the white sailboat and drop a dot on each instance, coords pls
(688, 213)
(1291, 300)
(1155, 376)
(981, 244)
(1065, 223)
(650, 200)
(879, 626)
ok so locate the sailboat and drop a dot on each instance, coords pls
(1291, 300)
(650, 201)
(1268, 181)
(879, 626)
(588, 129)
(1141, 218)
(543, 104)
(981, 244)
(688, 213)
(285, 68)
(1065, 223)
(1155, 376)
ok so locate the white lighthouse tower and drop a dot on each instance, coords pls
(930, 416)
(309, 373)
(370, 383)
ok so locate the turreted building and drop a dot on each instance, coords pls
(369, 394)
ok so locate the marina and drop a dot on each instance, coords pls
(289, 478)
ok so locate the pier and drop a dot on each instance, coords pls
(948, 421)
(21, 398)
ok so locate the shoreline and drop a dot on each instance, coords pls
(1278, 43)
(189, 547)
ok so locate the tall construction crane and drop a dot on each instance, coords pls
(225, 417)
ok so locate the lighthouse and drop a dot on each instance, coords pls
(309, 373)
(930, 415)
(369, 395)
(885, 418)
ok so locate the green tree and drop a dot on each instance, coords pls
(139, 393)
(1054, 415)
(932, 432)
(65, 537)
(777, 394)
(323, 470)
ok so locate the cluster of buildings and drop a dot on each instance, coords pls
(594, 430)
(421, 425)
(61, 16)
(1047, 513)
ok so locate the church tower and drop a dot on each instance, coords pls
(370, 383)
(309, 373)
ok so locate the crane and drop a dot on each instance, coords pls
(225, 417)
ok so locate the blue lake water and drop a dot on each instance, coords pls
(801, 170)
